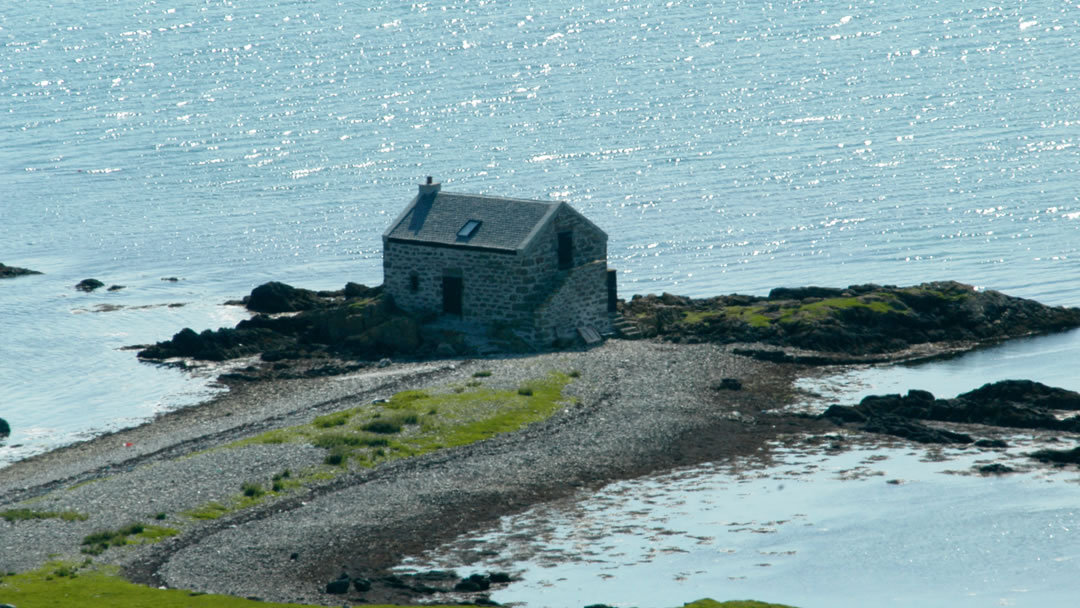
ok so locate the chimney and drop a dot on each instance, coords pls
(430, 187)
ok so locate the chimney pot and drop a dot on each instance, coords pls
(431, 187)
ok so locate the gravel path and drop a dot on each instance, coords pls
(642, 407)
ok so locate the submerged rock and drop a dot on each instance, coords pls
(10, 272)
(5, 428)
(1057, 456)
(89, 285)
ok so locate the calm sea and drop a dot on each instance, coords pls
(724, 146)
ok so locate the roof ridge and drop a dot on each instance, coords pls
(501, 198)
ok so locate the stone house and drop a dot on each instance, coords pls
(537, 268)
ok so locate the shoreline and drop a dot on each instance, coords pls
(642, 407)
(197, 477)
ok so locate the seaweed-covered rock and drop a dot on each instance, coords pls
(858, 320)
(5, 428)
(10, 272)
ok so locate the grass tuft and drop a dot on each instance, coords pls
(14, 515)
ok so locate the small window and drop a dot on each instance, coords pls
(468, 229)
(414, 282)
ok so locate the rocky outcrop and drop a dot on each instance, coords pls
(275, 297)
(858, 320)
(10, 272)
(5, 428)
(1010, 403)
(364, 326)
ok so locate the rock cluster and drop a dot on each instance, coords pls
(858, 320)
(1010, 403)
(422, 583)
(357, 322)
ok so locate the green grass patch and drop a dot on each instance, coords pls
(332, 420)
(14, 515)
(484, 373)
(210, 510)
(765, 314)
(415, 422)
(61, 585)
(136, 533)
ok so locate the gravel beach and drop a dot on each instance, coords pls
(634, 407)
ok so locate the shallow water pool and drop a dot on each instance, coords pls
(873, 526)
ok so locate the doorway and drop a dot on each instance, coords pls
(453, 290)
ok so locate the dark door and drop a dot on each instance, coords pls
(452, 290)
(566, 250)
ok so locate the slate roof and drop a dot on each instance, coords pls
(506, 224)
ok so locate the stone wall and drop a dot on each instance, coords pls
(580, 300)
(590, 243)
(497, 287)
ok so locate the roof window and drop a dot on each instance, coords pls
(468, 229)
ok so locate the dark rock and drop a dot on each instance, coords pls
(991, 443)
(475, 582)
(5, 428)
(499, 578)
(275, 297)
(844, 413)
(914, 431)
(802, 293)
(361, 584)
(1024, 392)
(294, 556)
(89, 285)
(728, 384)
(1057, 456)
(340, 585)
(356, 290)
(10, 272)
(996, 469)
(394, 581)
(170, 279)
(219, 345)
(116, 287)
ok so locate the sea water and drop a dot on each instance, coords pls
(868, 527)
(727, 146)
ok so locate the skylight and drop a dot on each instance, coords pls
(468, 229)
